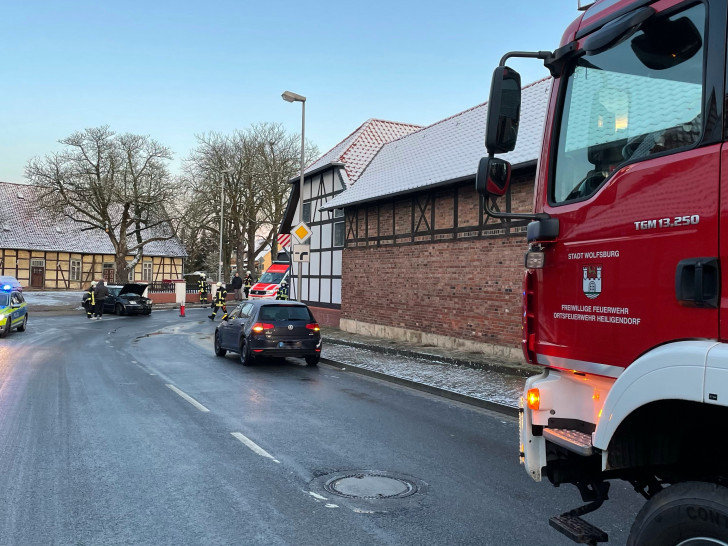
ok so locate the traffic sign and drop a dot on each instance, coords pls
(301, 253)
(284, 239)
(301, 232)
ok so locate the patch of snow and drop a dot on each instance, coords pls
(487, 385)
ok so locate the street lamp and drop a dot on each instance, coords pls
(294, 97)
(222, 205)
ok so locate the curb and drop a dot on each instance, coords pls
(484, 404)
(478, 365)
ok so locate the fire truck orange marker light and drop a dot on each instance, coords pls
(534, 399)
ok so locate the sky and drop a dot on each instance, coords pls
(176, 69)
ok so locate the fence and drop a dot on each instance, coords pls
(167, 287)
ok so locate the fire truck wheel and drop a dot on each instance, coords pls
(684, 513)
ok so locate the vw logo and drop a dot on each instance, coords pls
(290, 326)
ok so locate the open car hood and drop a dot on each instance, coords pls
(133, 288)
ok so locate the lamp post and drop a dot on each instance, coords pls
(294, 97)
(222, 205)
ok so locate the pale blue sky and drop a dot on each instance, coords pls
(172, 70)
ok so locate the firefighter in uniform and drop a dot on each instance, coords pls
(247, 283)
(219, 302)
(202, 286)
(89, 300)
(282, 291)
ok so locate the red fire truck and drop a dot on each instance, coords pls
(627, 256)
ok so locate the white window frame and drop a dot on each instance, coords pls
(74, 272)
(147, 267)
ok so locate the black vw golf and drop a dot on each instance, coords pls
(269, 328)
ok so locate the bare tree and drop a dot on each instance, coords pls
(259, 162)
(115, 183)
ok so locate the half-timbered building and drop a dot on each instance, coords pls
(422, 260)
(325, 178)
(46, 253)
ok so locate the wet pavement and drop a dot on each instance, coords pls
(464, 376)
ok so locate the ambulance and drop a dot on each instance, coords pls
(623, 301)
(268, 284)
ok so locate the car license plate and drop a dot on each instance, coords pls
(289, 344)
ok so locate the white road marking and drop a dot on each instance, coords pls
(255, 448)
(189, 398)
(332, 505)
(317, 496)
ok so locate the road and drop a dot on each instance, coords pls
(130, 430)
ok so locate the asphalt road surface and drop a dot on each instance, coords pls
(130, 430)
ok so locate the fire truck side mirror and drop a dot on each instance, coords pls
(493, 176)
(504, 111)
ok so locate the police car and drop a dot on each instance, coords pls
(13, 310)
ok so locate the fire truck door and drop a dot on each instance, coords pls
(612, 290)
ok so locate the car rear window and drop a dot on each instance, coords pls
(284, 312)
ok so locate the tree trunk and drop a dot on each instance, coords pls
(122, 273)
(250, 240)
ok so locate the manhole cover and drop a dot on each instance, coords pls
(370, 486)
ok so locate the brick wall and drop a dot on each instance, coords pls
(459, 281)
(325, 316)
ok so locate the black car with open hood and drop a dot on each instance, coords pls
(127, 299)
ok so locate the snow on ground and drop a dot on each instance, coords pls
(52, 298)
(487, 385)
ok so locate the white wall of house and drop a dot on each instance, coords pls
(322, 275)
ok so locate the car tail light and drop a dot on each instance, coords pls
(313, 326)
(259, 327)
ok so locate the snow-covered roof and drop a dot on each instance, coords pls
(446, 151)
(358, 149)
(23, 226)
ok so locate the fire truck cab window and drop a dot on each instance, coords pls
(642, 97)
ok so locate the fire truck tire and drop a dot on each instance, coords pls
(684, 511)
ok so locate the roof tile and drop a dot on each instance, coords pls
(358, 149)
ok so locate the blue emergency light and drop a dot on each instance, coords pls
(7, 287)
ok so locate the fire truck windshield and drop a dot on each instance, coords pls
(271, 278)
(639, 98)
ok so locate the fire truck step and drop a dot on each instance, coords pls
(573, 440)
(577, 529)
